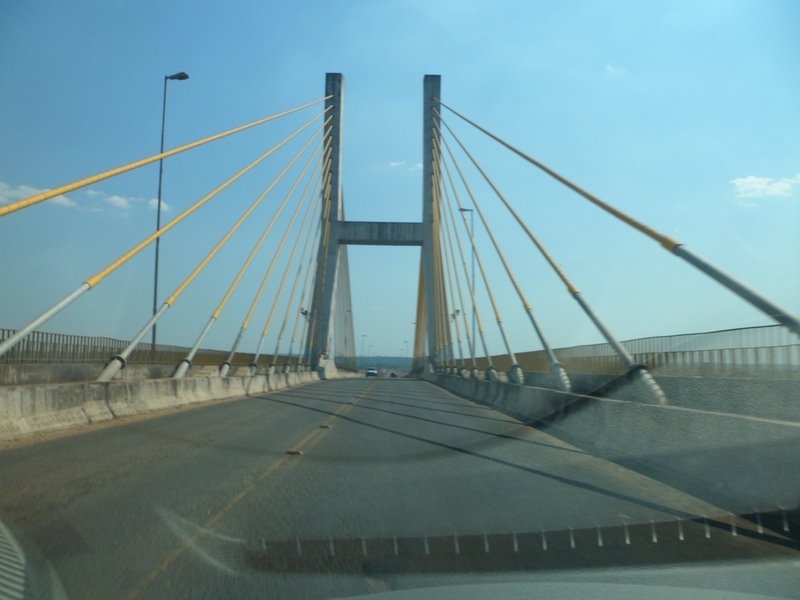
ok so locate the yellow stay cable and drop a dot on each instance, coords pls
(171, 300)
(489, 292)
(263, 237)
(290, 261)
(311, 323)
(97, 278)
(310, 268)
(665, 240)
(309, 243)
(471, 288)
(49, 194)
(570, 286)
(442, 321)
(450, 257)
(448, 268)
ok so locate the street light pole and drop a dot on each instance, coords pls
(178, 77)
(471, 212)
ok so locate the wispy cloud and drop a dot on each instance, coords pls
(10, 194)
(746, 203)
(760, 187)
(397, 164)
(614, 71)
(62, 201)
(117, 202)
(122, 203)
(153, 203)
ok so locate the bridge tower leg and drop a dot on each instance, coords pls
(430, 132)
(323, 303)
(330, 308)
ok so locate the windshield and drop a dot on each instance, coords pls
(399, 299)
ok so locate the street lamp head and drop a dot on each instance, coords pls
(465, 210)
(179, 76)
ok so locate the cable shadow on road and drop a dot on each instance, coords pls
(372, 398)
(502, 462)
(499, 437)
(508, 420)
(411, 395)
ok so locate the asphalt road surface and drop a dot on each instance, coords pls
(354, 487)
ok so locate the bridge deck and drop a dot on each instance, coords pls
(394, 478)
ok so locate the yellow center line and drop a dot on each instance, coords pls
(175, 554)
(311, 441)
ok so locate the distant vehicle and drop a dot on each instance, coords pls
(393, 374)
(372, 372)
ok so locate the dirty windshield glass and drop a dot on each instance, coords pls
(399, 299)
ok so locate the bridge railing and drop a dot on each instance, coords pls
(58, 348)
(769, 351)
(51, 348)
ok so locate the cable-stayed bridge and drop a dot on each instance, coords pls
(677, 436)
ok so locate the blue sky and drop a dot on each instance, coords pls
(682, 113)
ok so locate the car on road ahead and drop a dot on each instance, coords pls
(372, 372)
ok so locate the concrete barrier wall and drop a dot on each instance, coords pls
(736, 460)
(767, 398)
(27, 409)
(64, 373)
(85, 372)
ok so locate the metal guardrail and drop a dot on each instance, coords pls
(12, 567)
(769, 351)
(57, 348)
(41, 347)
(748, 337)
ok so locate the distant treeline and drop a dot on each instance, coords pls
(389, 363)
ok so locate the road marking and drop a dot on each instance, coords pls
(316, 436)
(177, 552)
(705, 412)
